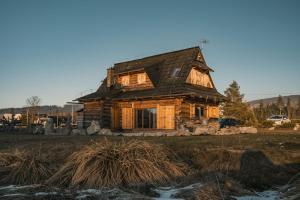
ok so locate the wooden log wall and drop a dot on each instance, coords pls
(92, 111)
(179, 109)
(171, 106)
(185, 111)
(106, 114)
(110, 114)
(211, 110)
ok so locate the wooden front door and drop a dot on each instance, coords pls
(127, 118)
(166, 117)
(115, 117)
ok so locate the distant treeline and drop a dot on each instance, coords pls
(294, 99)
(43, 109)
(283, 106)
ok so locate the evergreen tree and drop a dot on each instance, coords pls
(272, 109)
(297, 109)
(233, 93)
(236, 108)
(280, 104)
(262, 112)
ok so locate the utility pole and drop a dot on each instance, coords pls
(72, 114)
(27, 116)
(57, 117)
(72, 104)
(279, 111)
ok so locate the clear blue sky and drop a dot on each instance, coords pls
(57, 49)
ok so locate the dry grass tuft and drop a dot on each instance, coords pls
(207, 192)
(224, 161)
(219, 160)
(105, 164)
(220, 187)
(7, 159)
(23, 167)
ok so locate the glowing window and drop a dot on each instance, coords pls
(125, 80)
(141, 78)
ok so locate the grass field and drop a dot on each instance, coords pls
(281, 148)
(201, 155)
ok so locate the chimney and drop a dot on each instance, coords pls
(109, 79)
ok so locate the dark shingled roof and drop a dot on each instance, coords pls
(160, 69)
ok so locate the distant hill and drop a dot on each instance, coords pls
(45, 109)
(294, 100)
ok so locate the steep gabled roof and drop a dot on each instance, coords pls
(170, 57)
(168, 73)
(160, 67)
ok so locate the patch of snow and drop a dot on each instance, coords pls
(12, 195)
(16, 187)
(265, 195)
(168, 193)
(90, 191)
(45, 193)
(84, 196)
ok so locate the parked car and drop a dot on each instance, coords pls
(224, 122)
(279, 119)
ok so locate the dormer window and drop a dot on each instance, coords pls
(175, 72)
(141, 78)
(125, 80)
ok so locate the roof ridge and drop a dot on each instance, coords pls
(156, 55)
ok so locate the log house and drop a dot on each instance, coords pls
(155, 92)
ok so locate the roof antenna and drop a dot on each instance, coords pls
(202, 42)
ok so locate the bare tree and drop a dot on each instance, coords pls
(33, 104)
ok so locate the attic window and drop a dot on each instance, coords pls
(175, 72)
(141, 78)
(125, 80)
